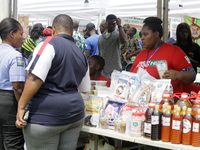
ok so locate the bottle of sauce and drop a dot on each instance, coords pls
(166, 125)
(174, 110)
(195, 130)
(156, 124)
(176, 130)
(187, 127)
(183, 112)
(164, 108)
(166, 99)
(147, 121)
(184, 101)
(196, 106)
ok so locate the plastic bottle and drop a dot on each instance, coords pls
(136, 124)
(147, 122)
(166, 125)
(183, 112)
(196, 106)
(187, 127)
(184, 101)
(166, 99)
(174, 110)
(176, 130)
(195, 130)
(156, 124)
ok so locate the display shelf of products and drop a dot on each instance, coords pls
(139, 140)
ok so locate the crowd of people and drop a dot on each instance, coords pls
(54, 65)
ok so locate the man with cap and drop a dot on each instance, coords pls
(92, 41)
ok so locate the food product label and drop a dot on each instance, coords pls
(176, 124)
(195, 127)
(147, 127)
(166, 121)
(136, 126)
(186, 126)
(154, 119)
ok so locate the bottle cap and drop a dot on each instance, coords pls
(175, 106)
(184, 108)
(178, 108)
(157, 107)
(189, 109)
(166, 95)
(152, 105)
(169, 107)
(184, 95)
(136, 114)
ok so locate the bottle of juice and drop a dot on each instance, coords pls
(183, 112)
(156, 124)
(196, 106)
(166, 125)
(166, 99)
(184, 101)
(195, 130)
(176, 130)
(164, 108)
(147, 121)
(174, 110)
(187, 127)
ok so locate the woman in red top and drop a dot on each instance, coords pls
(180, 69)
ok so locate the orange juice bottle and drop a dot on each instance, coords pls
(176, 130)
(187, 127)
(166, 100)
(195, 130)
(166, 125)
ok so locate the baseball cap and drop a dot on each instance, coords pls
(90, 26)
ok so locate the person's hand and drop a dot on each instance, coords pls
(20, 123)
(171, 74)
(118, 20)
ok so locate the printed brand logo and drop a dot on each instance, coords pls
(188, 60)
(135, 124)
(153, 63)
(20, 62)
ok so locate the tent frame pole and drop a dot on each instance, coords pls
(165, 20)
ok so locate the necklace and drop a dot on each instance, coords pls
(152, 54)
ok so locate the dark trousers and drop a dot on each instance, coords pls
(12, 136)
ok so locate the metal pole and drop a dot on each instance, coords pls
(165, 20)
(159, 9)
(15, 9)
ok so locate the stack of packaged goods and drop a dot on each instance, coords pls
(146, 108)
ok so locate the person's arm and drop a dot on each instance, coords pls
(32, 85)
(18, 89)
(196, 63)
(85, 83)
(122, 35)
(128, 56)
(186, 77)
(87, 53)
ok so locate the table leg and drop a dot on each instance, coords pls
(96, 142)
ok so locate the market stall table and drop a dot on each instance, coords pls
(139, 140)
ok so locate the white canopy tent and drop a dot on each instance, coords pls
(77, 9)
